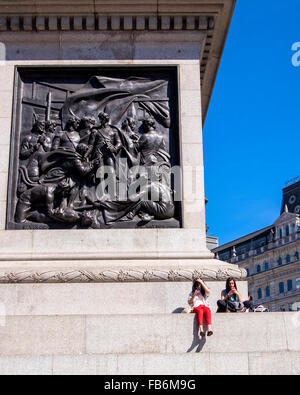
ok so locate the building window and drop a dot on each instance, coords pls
(296, 256)
(258, 269)
(259, 294)
(268, 292)
(248, 272)
(280, 233)
(288, 259)
(279, 261)
(297, 283)
(290, 285)
(281, 288)
(293, 228)
(266, 265)
(287, 230)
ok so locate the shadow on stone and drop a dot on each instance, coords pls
(179, 310)
(197, 342)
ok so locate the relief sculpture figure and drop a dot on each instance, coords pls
(30, 143)
(152, 145)
(69, 138)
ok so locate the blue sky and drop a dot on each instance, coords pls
(251, 133)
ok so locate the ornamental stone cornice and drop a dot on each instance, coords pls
(133, 22)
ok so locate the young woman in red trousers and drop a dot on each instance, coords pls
(198, 299)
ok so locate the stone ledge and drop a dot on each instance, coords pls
(164, 334)
(147, 7)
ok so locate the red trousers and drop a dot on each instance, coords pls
(203, 311)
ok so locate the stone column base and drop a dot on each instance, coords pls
(152, 287)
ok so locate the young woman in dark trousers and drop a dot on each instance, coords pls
(231, 298)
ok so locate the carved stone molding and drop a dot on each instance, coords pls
(103, 23)
(122, 275)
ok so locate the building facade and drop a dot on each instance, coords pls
(271, 257)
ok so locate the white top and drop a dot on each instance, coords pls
(200, 300)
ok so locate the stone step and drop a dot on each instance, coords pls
(148, 334)
(270, 363)
(150, 344)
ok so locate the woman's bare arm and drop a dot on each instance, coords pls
(206, 289)
(223, 297)
(239, 296)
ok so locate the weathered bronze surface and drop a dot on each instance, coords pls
(75, 130)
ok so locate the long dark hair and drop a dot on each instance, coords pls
(197, 285)
(228, 281)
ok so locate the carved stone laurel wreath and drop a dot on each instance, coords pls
(121, 276)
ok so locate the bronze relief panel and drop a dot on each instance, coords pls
(94, 148)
